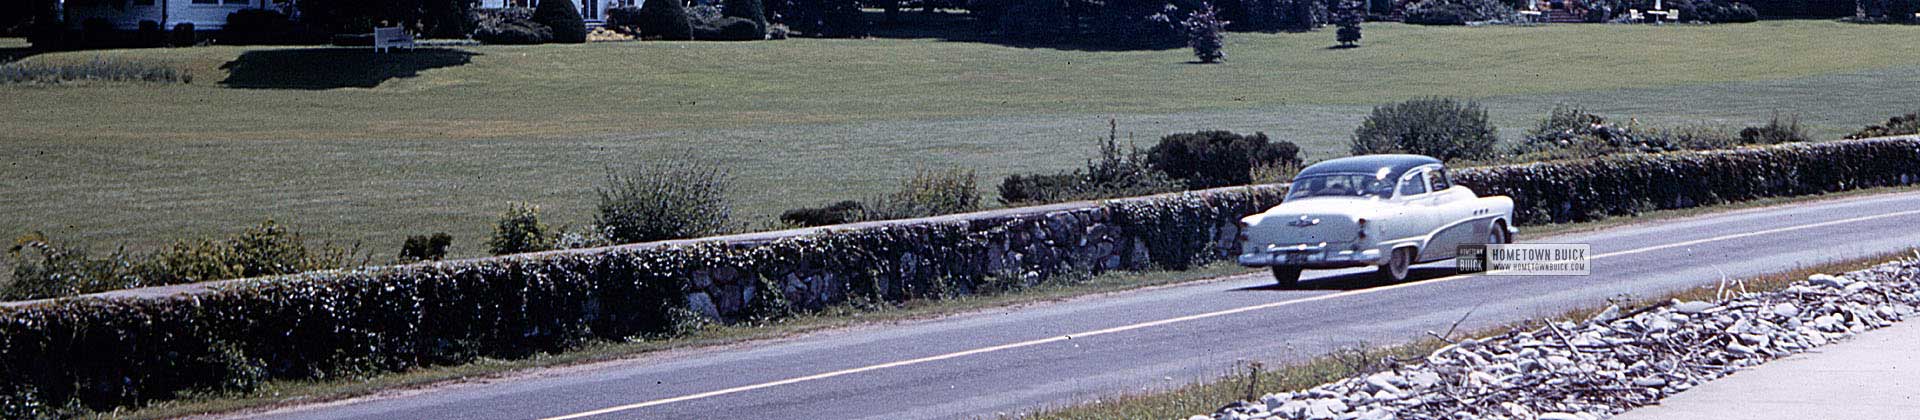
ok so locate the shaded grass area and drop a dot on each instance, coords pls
(1206, 395)
(376, 152)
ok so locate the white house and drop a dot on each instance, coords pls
(591, 10)
(127, 14)
(212, 14)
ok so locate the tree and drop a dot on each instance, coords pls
(1206, 34)
(749, 10)
(1348, 15)
(664, 19)
(568, 26)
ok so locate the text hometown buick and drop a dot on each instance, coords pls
(1390, 211)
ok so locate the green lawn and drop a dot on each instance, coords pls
(357, 147)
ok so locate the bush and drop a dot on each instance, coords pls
(44, 269)
(1442, 128)
(1209, 159)
(1457, 12)
(749, 10)
(520, 231)
(426, 248)
(840, 213)
(256, 26)
(823, 18)
(928, 193)
(669, 200)
(560, 15)
(1115, 172)
(1206, 34)
(149, 34)
(729, 29)
(511, 27)
(183, 35)
(98, 70)
(665, 19)
(1775, 132)
(1626, 184)
(1899, 125)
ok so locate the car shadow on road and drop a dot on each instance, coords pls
(1356, 281)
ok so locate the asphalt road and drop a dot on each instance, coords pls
(1014, 360)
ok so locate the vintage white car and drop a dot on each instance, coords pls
(1390, 211)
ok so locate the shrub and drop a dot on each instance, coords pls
(44, 269)
(928, 193)
(1442, 128)
(1899, 125)
(98, 70)
(824, 18)
(668, 200)
(1457, 12)
(183, 35)
(1209, 159)
(749, 10)
(1775, 132)
(843, 212)
(255, 26)
(425, 247)
(560, 15)
(729, 29)
(1206, 34)
(666, 19)
(511, 27)
(520, 231)
(149, 34)
(1115, 172)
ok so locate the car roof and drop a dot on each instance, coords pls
(1396, 165)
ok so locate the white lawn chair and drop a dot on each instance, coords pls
(1633, 15)
(1673, 15)
(386, 39)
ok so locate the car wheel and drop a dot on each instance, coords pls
(1395, 270)
(1286, 276)
(1498, 235)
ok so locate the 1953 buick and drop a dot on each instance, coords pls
(1390, 211)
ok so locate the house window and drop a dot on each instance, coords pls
(521, 3)
(143, 2)
(206, 1)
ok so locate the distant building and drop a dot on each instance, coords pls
(127, 14)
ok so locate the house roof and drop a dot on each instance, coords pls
(1394, 165)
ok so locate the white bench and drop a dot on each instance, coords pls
(386, 39)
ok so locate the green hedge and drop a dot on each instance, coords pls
(1591, 189)
(100, 354)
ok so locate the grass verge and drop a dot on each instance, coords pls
(1205, 396)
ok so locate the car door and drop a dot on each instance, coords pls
(1456, 217)
(1414, 218)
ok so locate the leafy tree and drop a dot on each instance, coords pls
(560, 15)
(749, 10)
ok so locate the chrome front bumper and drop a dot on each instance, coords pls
(1308, 256)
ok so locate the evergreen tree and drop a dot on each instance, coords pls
(1348, 15)
(1206, 34)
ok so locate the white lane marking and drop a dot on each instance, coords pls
(1150, 324)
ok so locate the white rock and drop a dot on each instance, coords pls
(1377, 414)
(1692, 307)
(1786, 310)
(1560, 416)
(1828, 280)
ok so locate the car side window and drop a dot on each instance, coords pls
(1413, 185)
(1438, 178)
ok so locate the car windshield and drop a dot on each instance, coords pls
(1339, 185)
